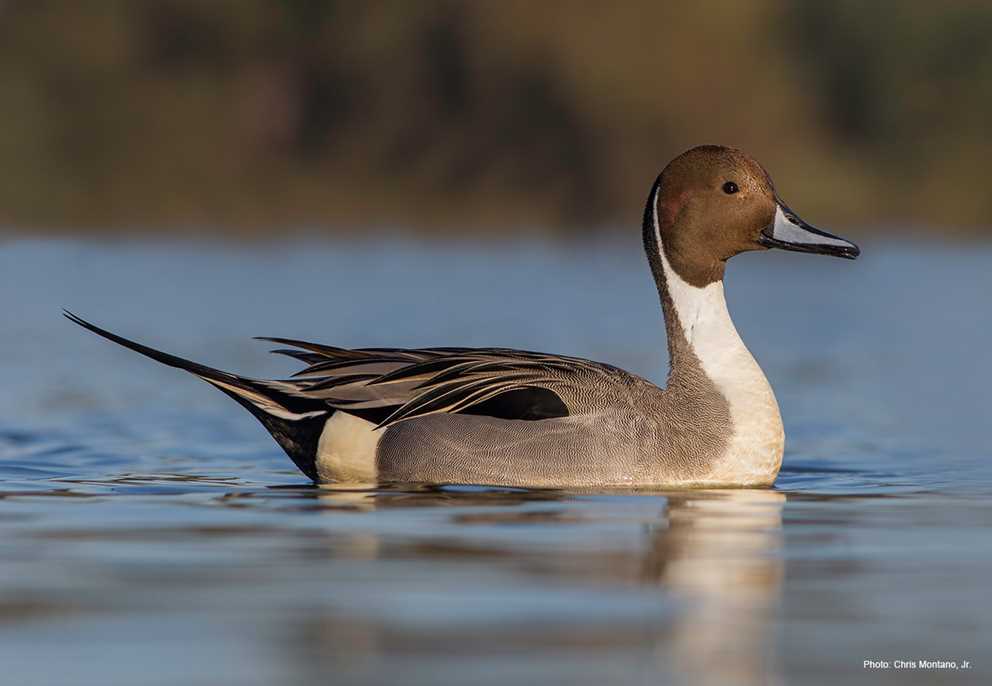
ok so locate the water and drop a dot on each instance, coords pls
(151, 532)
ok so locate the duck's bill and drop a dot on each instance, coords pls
(788, 232)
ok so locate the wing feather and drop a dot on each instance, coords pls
(389, 385)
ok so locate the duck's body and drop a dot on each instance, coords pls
(517, 418)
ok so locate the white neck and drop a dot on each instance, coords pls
(754, 453)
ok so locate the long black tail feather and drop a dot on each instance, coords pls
(295, 422)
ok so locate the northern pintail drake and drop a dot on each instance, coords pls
(496, 416)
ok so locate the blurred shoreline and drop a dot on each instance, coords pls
(605, 236)
(447, 117)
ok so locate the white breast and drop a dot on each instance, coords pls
(754, 453)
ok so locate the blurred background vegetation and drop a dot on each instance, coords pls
(262, 116)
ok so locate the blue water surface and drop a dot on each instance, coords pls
(151, 532)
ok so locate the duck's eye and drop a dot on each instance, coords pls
(730, 188)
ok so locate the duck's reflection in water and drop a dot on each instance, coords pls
(721, 553)
(675, 587)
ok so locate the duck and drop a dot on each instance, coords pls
(515, 418)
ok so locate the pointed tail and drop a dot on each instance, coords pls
(294, 422)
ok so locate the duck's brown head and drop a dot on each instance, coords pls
(713, 202)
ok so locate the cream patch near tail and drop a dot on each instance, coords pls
(347, 449)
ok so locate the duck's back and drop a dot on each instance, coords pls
(553, 421)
